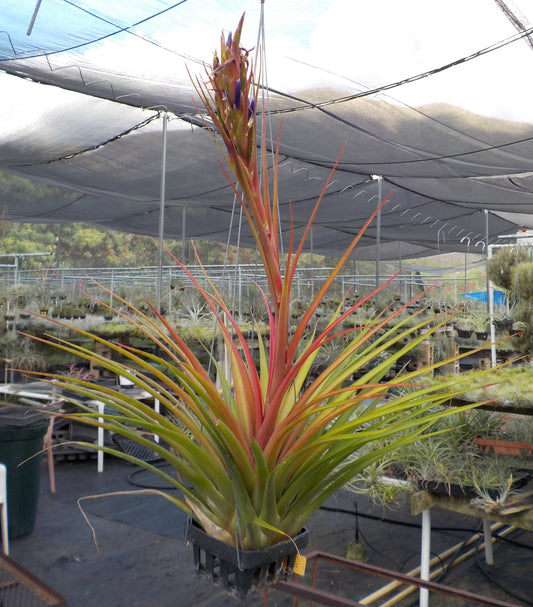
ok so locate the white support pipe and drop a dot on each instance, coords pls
(437, 562)
(487, 537)
(425, 555)
(100, 438)
(157, 409)
(435, 573)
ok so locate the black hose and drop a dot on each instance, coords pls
(446, 569)
(497, 583)
(132, 475)
(395, 522)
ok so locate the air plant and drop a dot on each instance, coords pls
(258, 449)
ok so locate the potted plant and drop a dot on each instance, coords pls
(513, 436)
(473, 320)
(17, 297)
(450, 461)
(259, 447)
(463, 324)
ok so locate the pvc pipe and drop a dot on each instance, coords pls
(437, 560)
(157, 409)
(393, 600)
(100, 440)
(487, 535)
(425, 555)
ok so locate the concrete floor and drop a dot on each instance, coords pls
(141, 559)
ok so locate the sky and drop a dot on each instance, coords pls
(347, 45)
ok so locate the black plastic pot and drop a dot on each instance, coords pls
(503, 325)
(455, 490)
(22, 431)
(241, 572)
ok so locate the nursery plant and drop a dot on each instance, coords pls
(508, 388)
(449, 462)
(257, 445)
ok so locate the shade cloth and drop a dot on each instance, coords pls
(432, 97)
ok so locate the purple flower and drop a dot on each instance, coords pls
(229, 40)
(237, 101)
(251, 108)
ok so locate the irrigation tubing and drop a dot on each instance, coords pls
(418, 526)
(132, 476)
(457, 554)
(496, 582)
(395, 522)
(445, 569)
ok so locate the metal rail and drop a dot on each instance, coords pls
(297, 589)
(20, 587)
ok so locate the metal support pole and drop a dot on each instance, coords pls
(487, 535)
(162, 192)
(379, 179)
(312, 260)
(58, 245)
(171, 292)
(183, 233)
(112, 288)
(486, 213)
(490, 300)
(239, 290)
(490, 297)
(33, 17)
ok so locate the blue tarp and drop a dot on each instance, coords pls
(499, 296)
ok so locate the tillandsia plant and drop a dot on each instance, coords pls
(258, 449)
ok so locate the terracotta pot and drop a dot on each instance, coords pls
(504, 447)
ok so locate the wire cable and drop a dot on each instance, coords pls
(497, 583)
(132, 476)
(445, 569)
(97, 146)
(127, 29)
(395, 522)
(408, 80)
